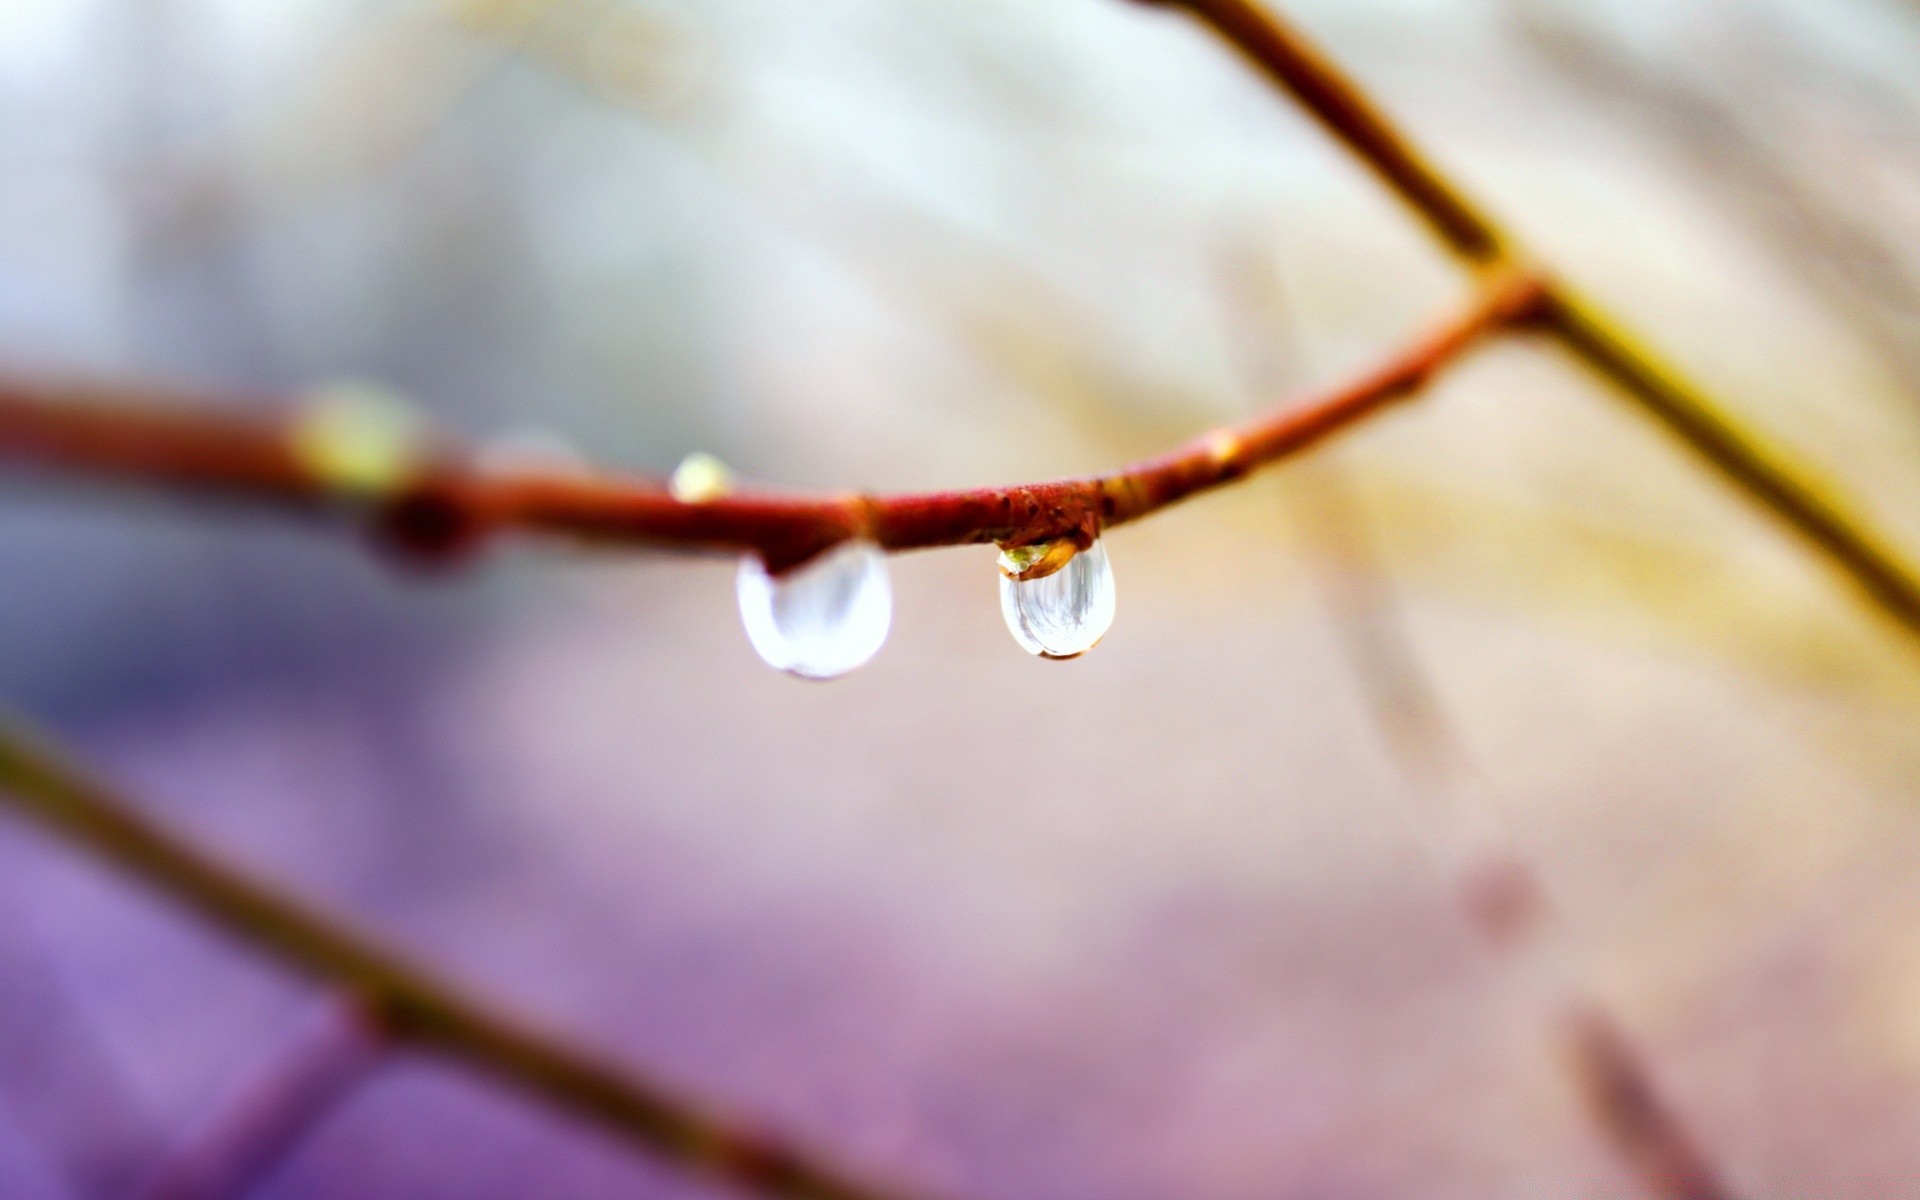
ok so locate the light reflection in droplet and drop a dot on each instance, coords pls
(820, 620)
(1064, 614)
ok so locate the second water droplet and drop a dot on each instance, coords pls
(1063, 614)
(820, 620)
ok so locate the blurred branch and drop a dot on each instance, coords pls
(1742, 457)
(1501, 894)
(1372, 631)
(270, 1117)
(1783, 67)
(1846, 259)
(1620, 1092)
(447, 502)
(405, 1002)
(1304, 72)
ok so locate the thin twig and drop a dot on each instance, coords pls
(408, 1003)
(275, 1112)
(1673, 400)
(451, 502)
(1745, 459)
(1620, 1091)
(1304, 72)
(1500, 892)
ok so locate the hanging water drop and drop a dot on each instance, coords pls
(822, 619)
(1060, 615)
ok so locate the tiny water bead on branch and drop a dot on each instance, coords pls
(699, 478)
(359, 437)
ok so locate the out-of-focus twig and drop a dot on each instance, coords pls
(276, 1110)
(1661, 390)
(1845, 259)
(1620, 1091)
(1777, 67)
(1373, 634)
(1305, 72)
(1500, 893)
(409, 1004)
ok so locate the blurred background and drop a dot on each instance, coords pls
(1173, 920)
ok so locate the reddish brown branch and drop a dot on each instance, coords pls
(451, 501)
(408, 1003)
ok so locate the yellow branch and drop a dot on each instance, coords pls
(1742, 457)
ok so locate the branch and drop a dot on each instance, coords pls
(1743, 458)
(404, 1002)
(1502, 895)
(1304, 72)
(450, 503)
(1619, 1089)
(275, 1111)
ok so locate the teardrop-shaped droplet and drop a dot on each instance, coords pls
(822, 619)
(1063, 614)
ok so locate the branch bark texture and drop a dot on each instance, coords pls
(450, 501)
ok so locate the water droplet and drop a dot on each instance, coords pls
(358, 437)
(822, 619)
(700, 477)
(1063, 614)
